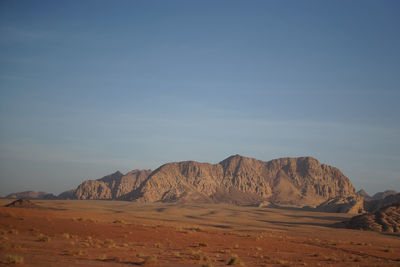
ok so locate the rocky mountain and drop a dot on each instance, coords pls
(384, 220)
(31, 195)
(351, 204)
(374, 205)
(69, 194)
(237, 179)
(364, 194)
(382, 195)
(241, 180)
(113, 186)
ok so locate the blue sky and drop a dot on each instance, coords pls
(91, 87)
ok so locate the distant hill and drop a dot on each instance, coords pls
(31, 195)
(240, 180)
(22, 203)
(364, 194)
(382, 195)
(374, 205)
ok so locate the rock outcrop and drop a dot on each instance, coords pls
(22, 203)
(31, 195)
(241, 180)
(384, 220)
(69, 194)
(113, 186)
(382, 195)
(374, 205)
(351, 204)
(364, 194)
(237, 179)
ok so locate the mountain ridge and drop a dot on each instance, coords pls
(237, 179)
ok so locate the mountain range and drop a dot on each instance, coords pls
(302, 181)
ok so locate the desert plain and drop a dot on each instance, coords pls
(123, 233)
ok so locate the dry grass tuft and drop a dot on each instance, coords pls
(13, 231)
(13, 259)
(43, 238)
(102, 257)
(235, 260)
(66, 235)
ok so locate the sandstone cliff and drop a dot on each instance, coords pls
(241, 180)
(374, 205)
(351, 204)
(364, 194)
(237, 179)
(384, 220)
(113, 186)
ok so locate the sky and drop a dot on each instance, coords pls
(91, 87)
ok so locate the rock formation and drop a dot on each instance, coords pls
(241, 180)
(31, 195)
(374, 205)
(237, 179)
(22, 203)
(113, 186)
(351, 204)
(382, 195)
(67, 194)
(364, 194)
(384, 220)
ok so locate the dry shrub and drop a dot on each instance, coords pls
(13, 259)
(150, 259)
(13, 231)
(235, 260)
(102, 257)
(44, 238)
(66, 235)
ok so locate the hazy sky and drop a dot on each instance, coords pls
(91, 87)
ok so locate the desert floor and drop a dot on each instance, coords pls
(108, 233)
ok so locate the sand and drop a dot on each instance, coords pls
(114, 233)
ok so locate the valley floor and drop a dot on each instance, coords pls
(114, 233)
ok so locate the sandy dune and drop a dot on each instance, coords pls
(108, 233)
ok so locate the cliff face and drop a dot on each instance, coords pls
(113, 186)
(351, 205)
(384, 220)
(294, 181)
(374, 205)
(237, 179)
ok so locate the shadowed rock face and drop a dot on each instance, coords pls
(31, 195)
(22, 203)
(241, 180)
(364, 194)
(237, 179)
(374, 205)
(384, 220)
(351, 204)
(383, 195)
